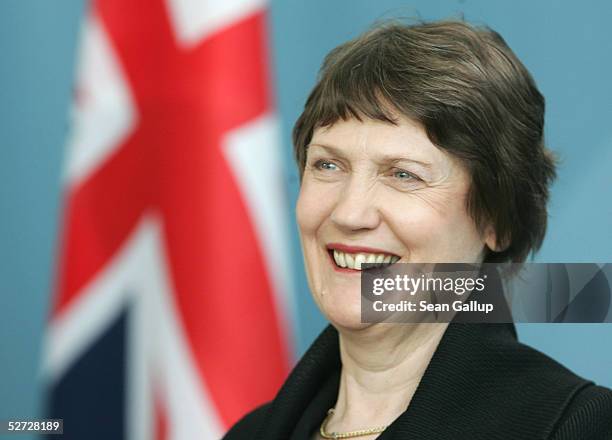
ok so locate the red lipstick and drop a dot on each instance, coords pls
(356, 249)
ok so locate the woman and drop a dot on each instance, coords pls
(422, 143)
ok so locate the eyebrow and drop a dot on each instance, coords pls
(385, 159)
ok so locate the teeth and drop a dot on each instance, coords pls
(354, 261)
(359, 260)
(339, 258)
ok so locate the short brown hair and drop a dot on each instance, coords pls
(475, 100)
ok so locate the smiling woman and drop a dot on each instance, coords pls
(422, 144)
(387, 187)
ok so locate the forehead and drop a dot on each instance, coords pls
(375, 139)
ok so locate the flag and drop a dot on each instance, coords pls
(172, 311)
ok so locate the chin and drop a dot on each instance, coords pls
(345, 316)
(349, 324)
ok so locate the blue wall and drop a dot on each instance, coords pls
(37, 51)
(566, 45)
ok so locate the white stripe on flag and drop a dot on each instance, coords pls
(103, 113)
(194, 20)
(159, 353)
(253, 152)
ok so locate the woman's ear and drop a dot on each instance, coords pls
(491, 240)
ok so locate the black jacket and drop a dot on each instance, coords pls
(481, 383)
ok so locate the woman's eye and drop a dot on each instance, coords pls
(325, 165)
(404, 175)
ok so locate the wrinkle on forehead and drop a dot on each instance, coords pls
(407, 139)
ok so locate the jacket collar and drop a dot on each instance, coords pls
(481, 383)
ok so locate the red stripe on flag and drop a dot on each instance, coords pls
(100, 215)
(173, 164)
(160, 416)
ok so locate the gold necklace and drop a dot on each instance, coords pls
(350, 434)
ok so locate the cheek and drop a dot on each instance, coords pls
(311, 209)
(305, 211)
(443, 231)
(419, 227)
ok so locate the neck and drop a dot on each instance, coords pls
(381, 368)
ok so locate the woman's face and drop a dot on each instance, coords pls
(375, 191)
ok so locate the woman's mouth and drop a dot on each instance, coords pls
(354, 260)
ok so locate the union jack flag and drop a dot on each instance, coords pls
(171, 316)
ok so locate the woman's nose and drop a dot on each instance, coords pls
(356, 207)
